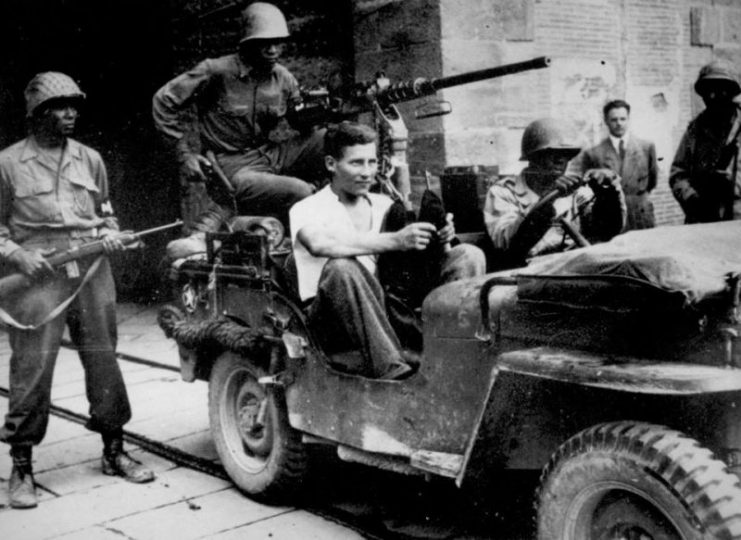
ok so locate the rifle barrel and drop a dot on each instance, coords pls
(153, 230)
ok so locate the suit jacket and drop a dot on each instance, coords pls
(639, 174)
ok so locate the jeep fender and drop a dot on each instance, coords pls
(539, 397)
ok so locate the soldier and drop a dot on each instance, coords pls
(54, 196)
(337, 236)
(705, 177)
(633, 159)
(241, 101)
(520, 226)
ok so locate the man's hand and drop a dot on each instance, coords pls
(602, 181)
(32, 263)
(415, 236)
(447, 233)
(567, 184)
(111, 241)
(191, 167)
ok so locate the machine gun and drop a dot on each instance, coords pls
(337, 103)
(17, 281)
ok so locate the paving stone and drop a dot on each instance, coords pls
(198, 444)
(297, 525)
(128, 310)
(106, 503)
(62, 430)
(183, 422)
(67, 452)
(86, 476)
(96, 532)
(6, 511)
(49, 454)
(197, 517)
(162, 352)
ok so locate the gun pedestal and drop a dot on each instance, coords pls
(392, 149)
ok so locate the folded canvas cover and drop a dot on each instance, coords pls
(693, 260)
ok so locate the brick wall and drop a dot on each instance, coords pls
(645, 51)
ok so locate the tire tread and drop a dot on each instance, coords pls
(709, 490)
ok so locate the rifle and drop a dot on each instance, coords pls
(337, 103)
(728, 154)
(17, 281)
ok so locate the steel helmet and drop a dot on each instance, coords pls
(50, 85)
(546, 134)
(263, 21)
(715, 72)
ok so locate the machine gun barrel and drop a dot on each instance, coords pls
(409, 90)
(490, 73)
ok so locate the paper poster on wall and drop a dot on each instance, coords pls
(579, 90)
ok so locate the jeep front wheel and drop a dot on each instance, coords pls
(259, 450)
(635, 481)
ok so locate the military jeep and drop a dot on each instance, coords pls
(613, 369)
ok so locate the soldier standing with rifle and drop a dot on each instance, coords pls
(54, 197)
(705, 177)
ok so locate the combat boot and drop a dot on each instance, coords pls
(21, 488)
(116, 462)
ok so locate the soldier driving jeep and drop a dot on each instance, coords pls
(532, 214)
(337, 236)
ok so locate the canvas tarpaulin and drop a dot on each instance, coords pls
(693, 260)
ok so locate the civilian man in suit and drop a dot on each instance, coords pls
(633, 159)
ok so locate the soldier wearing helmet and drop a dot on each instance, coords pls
(705, 177)
(54, 197)
(241, 101)
(520, 226)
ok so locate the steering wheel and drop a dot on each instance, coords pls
(567, 225)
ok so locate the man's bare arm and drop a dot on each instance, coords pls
(322, 241)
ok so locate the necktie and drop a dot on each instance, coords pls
(621, 153)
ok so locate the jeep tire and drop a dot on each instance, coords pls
(259, 450)
(635, 480)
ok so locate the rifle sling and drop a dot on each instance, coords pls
(8, 319)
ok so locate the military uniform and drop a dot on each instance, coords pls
(510, 200)
(692, 173)
(47, 206)
(705, 176)
(54, 197)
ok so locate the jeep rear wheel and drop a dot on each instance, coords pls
(259, 450)
(635, 481)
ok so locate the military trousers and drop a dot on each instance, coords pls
(270, 179)
(91, 319)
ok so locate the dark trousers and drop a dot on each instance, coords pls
(91, 319)
(349, 310)
(270, 179)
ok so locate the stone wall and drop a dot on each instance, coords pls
(645, 51)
